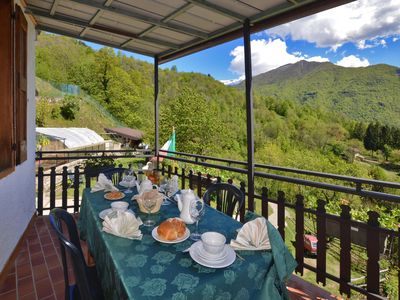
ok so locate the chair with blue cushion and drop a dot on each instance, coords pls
(229, 198)
(87, 285)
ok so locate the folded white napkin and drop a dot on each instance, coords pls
(103, 183)
(252, 236)
(124, 225)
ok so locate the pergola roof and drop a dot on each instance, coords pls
(166, 29)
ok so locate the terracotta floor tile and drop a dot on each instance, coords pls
(51, 297)
(8, 284)
(25, 286)
(24, 270)
(44, 288)
(31, 296)
(52, 260)
(36, 248)
(37, 259)
(23, 259)
(56, 274)
(40, 272)
(11, 295)
(59, 290)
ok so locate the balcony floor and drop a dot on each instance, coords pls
(37, 272)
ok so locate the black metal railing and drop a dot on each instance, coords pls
(64, 190)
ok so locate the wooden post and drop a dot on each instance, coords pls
(156, 112)
(64, 194)
(281, 214)
(40, 192)
(300, 234)
(249, 114)
(76, 188)
(373, 254)
(345, 247)
(321, 245)
(52, 187)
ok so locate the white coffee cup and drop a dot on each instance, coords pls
(213, 242)
(119, 206)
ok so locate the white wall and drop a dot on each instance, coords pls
(17, 190)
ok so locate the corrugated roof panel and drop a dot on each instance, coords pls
(203, 19)
(169, 35)
(237, 7)
(112, 38)
(263, 5)
(150, 7)
(74, 29)
(123, 20)
(46, 4)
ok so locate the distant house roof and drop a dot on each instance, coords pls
(129, 133)
(71, 137)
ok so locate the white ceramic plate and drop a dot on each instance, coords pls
(216, 264)
(158, 238)
(107, 196)
(209, 257)
(105, 212)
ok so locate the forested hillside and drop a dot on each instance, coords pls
(366, 94)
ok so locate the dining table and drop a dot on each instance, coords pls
(149, 269)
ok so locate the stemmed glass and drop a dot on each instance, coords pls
(164, 186)
(149, 204)
(196, 210)
(129, 180)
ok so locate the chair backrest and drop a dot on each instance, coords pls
(230, 199)
(73, 247)
(115, 174)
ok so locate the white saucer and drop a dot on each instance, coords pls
(202, 253)
(227, 261)
(158, 238)
(105, 212)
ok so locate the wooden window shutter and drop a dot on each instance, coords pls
(6, 90)
(21, 100)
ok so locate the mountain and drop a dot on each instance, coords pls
(365, 94)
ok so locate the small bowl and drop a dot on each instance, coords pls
(119, 206)
(213, 242)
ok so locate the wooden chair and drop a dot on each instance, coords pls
(229, 198)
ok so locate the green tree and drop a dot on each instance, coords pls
(195, 121)
(358, 131)
(69, 107)
(371, 139)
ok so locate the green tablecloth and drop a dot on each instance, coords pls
(147, 269)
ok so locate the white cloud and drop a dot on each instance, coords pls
(352, 61)
(363, 22)
(395, 39)
(267, 55)
(233, 81)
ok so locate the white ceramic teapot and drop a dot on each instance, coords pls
(184, 199)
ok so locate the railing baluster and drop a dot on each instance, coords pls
(76, 188)
(87, 177)
(345, 248)
(321, 245)
(52, 187)
(183, 179)
(208, 181)
(219, 180)
(191, 179)
(176, 171)
(169, 171)
(162, 169)
(373, 254)
(264, 202)
(300, 233)
(199, 184)
(281, 214)
(40, 192)
(243, 209)
(64, 194)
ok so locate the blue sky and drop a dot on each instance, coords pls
(362, 33)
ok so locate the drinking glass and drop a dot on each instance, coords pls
(196, 211)
(149, 204)
(164, 184)
(129, 180)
